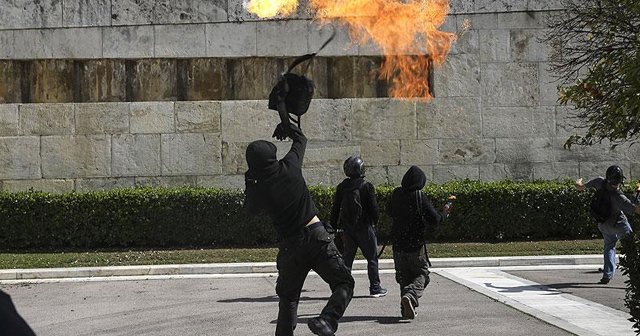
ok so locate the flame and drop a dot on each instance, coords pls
(406, 31)
(271, 8)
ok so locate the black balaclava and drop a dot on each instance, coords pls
(414, 179)
(261, 158)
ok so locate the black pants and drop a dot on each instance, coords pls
(412, 273)
(365, 239)
(312, 249)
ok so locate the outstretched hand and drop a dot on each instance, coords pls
(282, 131)
(580, 184)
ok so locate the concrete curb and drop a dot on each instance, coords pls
(270, 267)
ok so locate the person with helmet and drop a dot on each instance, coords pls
(614, 224)
(358, 230)
(278, 188)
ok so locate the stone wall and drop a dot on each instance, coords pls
(494, 115)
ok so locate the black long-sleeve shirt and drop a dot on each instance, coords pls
(407, 230)
(283, 193)
(369, 201)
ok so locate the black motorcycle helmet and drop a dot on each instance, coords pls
(354, 166)
(614, 175)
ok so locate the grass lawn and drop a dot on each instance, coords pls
(195, 256)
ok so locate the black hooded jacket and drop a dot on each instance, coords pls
(370, 209)
(407, 230)
(278, 187)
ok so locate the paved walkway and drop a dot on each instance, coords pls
(549, 300)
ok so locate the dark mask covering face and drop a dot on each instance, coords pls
(261, 158)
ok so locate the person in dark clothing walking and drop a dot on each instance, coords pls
(11, 323)
(360, 231)
(279, 189)
(411, 211)
(616, 224)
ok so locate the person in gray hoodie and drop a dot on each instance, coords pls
(616, 224)
(411, 211)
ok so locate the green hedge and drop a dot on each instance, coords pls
(630, 263)
(200, 217)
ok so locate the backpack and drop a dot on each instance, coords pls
(601, 204)
(351, 208)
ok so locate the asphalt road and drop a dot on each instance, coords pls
(248, 306)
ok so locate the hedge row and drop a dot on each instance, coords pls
(630, 263)
(201, 217)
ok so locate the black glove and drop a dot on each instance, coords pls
(282, 131)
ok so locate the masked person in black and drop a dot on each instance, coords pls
(279, 189)
(355, 210)
(411, 212)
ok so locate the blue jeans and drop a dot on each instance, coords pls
(611, 235)
(365, 238)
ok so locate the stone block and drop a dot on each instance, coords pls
(445, 173)
(317, 177)
(189, 11)
(589, 170)
(234, 159)
(191, 154)
(48, 185)
(397, 172)
(154, 80)
(466, 151)
(95, 184)
(595, 153)
(461, 6)
(526, 46)
(381, 119)
(73, 43)
(467, 42)
(449, 118)
(52, 81)
(271, 41)
(476, 21)
(73, 156)
(128, 42)
(459, 76)
(509, 84)
(375, 175)
(221, 181)
(498, 6)
(6, 41)
(548, 86)
(419, 152)
(247, 121)
(10, 81)
(180, 41)
(380, 152)
(328, 119)
(513, 122)
(135, 155)
(495, 45)
(510, 150)
(101, 81)
(194, 117)
(493, 172)
(540, 5)
(166, 181)
(18, 14)
(46, 119)
(33, 44)
(132, 12)
(152, 117)
(519, 20)
(83, 13)
(109, 118)
(567, 122)
(556, 171)
(204, 79)
(8, 119)
(341, 45)
(263, 72)
(328, 154)
(232, 39)
(20, 157)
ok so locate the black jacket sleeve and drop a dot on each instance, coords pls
(373, 210)
(335, 207)
(432, 215)
(251, 200)
(296, 153)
